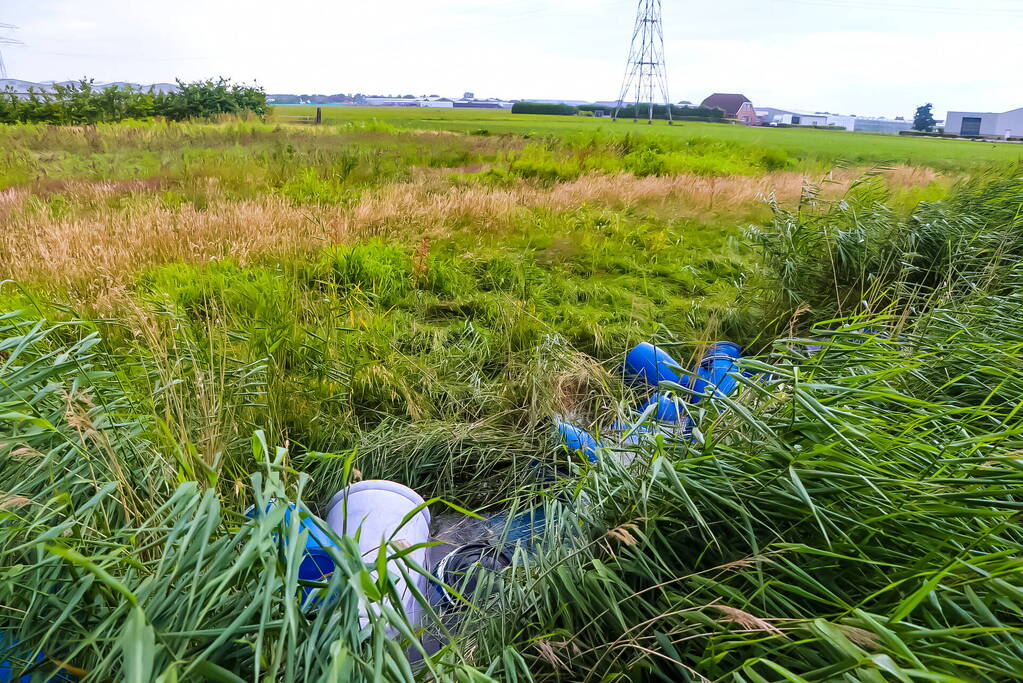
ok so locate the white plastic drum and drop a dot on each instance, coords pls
(375, 509)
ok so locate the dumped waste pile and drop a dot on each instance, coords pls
(429, 570)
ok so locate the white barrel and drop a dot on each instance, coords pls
(376, 509)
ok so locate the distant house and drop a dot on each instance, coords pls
(731, 104)
(985, 124)
(747, 114)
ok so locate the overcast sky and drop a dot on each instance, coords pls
(880, 57)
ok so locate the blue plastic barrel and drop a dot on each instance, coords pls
(667, 410)
(713, 373)
(650, 364)
(316, 563)
(316, 566)
(578, 439)
(11, 651)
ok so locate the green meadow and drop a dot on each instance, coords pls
(821, 145)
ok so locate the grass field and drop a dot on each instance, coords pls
(202, 316)
(824, 146)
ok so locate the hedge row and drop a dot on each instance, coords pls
(661, 112)
(934, 134)
(82, 103)
(544, 108)
(626, 112)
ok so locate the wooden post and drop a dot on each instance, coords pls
(319, 115)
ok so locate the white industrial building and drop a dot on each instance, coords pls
(861, 124)
(986, 124)
(790, 117)
(438, 102)
(868, 124)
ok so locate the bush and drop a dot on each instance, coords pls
(542, 108)
(207, 99)
(832, 256)
(82, 104)
(661, 112)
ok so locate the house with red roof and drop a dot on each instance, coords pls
(735, 106)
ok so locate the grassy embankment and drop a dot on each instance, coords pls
(420, 303)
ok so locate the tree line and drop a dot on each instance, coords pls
(83, 103)
(626, 112)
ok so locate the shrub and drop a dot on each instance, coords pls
(82, 104)
(308, 187)
(661, 112)
(208, 99)
(543, 108)
(832, 256)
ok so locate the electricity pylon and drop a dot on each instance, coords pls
(4, 40)
(645, 71)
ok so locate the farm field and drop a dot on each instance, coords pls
(200, 317)
(824, 146)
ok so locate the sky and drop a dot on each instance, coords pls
(863, 57)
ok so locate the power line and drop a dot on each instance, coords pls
(122, 55)
(645, 69)
(4, 40)
(1001, 12)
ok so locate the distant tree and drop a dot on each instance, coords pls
(660, 112)
(81, 103)
(543, 108)
(924, 119)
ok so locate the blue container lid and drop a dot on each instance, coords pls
(316, 566)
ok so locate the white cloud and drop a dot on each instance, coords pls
(811, 54)
(863, 72)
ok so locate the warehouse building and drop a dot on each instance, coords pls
(869, 124)
(790, 117)
(985, 124)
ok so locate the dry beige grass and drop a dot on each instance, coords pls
(98, 250)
